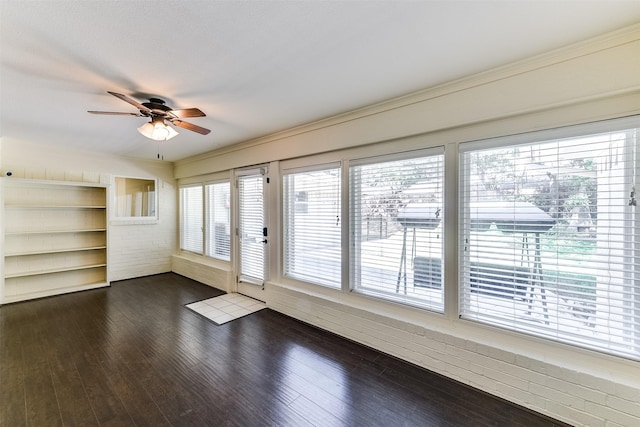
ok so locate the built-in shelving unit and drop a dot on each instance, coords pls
(55, 238)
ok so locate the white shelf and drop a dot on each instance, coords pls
(55, 238)
(53, 251)
(52, 270)
(57, 207)
(89, 230)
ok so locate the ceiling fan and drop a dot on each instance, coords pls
(160, 114)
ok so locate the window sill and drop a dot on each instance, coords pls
(134, 221)
(204, 260)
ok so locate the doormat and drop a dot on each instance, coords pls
(226, 308)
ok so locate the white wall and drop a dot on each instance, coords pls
(595, 80)
(136, 249)
(217, 274)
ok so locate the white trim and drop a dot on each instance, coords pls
(396, 156)
(578, 50)
(572, 131)
(311, 167)
(206, 178)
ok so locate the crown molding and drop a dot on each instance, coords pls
(590, 46)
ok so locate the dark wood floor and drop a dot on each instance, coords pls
(133, 354)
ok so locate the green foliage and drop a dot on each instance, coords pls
(567, 244)
(384, 185)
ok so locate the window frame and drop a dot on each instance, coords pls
(437, 150)
(210, 229)
(284, 220)
(182, 218)
(207, 230)
(531, 139)
(120, 184)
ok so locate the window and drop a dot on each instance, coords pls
(396, 228)
(312, 244)
(550, 237)
(205, 219)
(191, 219)
(217, 227)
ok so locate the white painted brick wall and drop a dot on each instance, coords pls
(134, 250)
(207, 273)
(144, 249)
(610, 414)
(562, 392)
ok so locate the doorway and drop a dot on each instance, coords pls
(252, 234)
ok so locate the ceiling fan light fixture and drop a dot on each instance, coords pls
(157, 130)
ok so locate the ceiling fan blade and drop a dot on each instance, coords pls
(113, 113)
(133, 102)
(191, 127)
(187, 112)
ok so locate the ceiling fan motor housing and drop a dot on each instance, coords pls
(156, 105)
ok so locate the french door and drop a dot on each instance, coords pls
(252, 235)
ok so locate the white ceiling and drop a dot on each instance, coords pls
(254, 67)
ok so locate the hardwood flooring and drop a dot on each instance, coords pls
(132, 354)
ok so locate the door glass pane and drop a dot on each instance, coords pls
(251, 225)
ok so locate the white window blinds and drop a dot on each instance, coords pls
(311, 218)
(550, 238)
(396, 228)
(191, 219)
(251, 227)
(218, 216)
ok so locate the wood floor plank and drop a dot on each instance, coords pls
(105, 401)
(132, 354)
(75, 408)
(12, 394)
(41, 401)
(12, 391)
